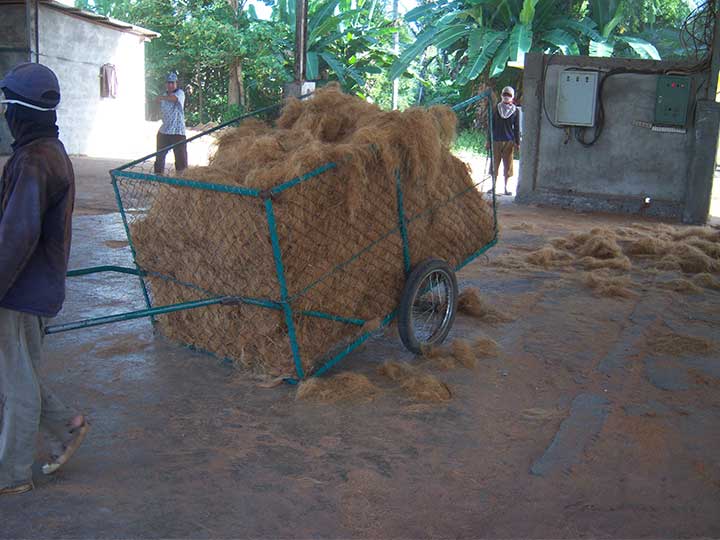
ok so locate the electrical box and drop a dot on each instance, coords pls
(672, 98)
(576, 98)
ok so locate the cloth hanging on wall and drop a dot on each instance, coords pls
(108, 81)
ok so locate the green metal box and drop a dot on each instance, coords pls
(671, 100)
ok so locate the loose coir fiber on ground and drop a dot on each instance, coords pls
(460, 353)
(415, 384)
(620, 262)
(671, 343)
(642, 247)
(338, 247)
(471, 303)
(346, 386)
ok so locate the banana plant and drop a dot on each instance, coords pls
(485, 34)
(481, 36)
(349, 38)
(607, 15)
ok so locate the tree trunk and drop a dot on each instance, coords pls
(482, 112)
(236, 88)
(201, 100)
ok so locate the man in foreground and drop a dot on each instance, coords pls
(37, 191)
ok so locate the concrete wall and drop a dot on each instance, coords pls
(628, 162)
(75, 49)
(13, 50)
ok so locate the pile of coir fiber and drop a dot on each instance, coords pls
(339, 249)
(654, 253)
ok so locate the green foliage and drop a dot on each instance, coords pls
(655, 21)
(607, 15)
(199, 40)
(378, 87)
(478, 38)
(452, 48)
(644, 15)
(471, 141)
(482, 36)
(348, 41)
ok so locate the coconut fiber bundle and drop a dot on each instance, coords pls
(338, 231)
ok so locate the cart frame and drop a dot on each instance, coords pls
(284, 304)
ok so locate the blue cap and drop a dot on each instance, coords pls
(35, 83)
(172, 77)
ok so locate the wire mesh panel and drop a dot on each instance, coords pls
(458, 223)
(216, 241)
(344, 264)
(197, 238)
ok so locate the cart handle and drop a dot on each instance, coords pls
(97, 321)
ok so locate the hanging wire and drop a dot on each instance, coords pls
(696, 32)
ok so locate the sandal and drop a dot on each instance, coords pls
(17, 489)
(69, 448)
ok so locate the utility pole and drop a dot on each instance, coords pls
(300, 87)
(396, 49)
(300, 39)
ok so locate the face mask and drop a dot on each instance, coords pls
(9, 113)
(507, 99)
(26, 120)
(4, 102)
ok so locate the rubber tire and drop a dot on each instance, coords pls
(414, 280)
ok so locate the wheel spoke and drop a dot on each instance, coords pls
(428, 303)
(431, 308)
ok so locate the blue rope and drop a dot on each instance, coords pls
(280, 271)
(223, 188)
(401, 222)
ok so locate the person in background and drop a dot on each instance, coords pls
(172, 130)
(505, 134)
(37, 191)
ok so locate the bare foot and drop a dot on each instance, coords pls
(78, 428)
(76, 422)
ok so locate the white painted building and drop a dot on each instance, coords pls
(76, 45)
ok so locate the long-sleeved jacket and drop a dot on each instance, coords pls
(506, 129)
(37, 193)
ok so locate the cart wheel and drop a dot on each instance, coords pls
(428, 305)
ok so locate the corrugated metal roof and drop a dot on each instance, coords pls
(90, 16)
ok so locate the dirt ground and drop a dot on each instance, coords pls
(582, 426)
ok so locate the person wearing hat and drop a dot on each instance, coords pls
(37, 191)
(505, 134)
(172, 130)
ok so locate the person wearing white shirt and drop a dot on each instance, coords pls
(172, 130)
